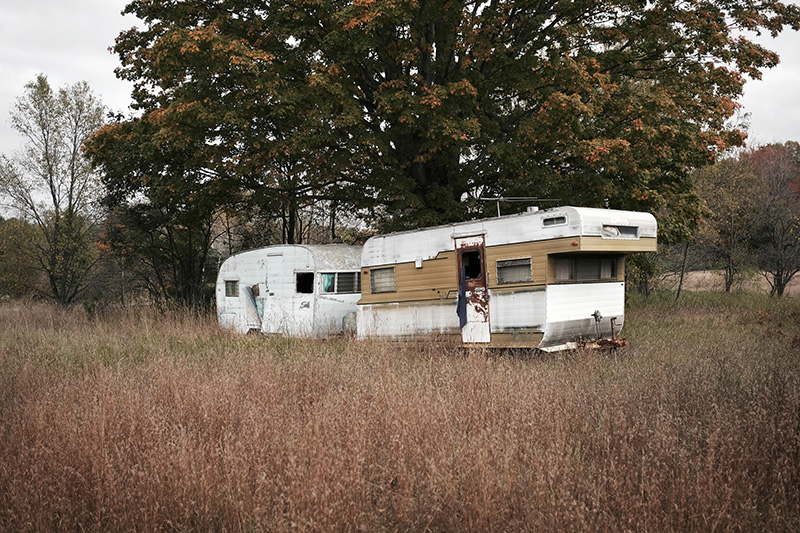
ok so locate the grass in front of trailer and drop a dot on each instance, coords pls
(152, 422)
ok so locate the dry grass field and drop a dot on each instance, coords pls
(149, 422)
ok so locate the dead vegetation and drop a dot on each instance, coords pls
(713, 280)
(138, 421)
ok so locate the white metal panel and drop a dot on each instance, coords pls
(477, 327)
(332, 312)
(573, 301)
(283, 313)
(522, 309)
(228, 320)
(570, 307)
(248, 269)
(281, 270)
(407, 318)
(475, 331)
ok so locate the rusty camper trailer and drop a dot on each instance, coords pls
(297, 290)
(540, 279)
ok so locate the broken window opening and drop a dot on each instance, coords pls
(471, 263)
(304, 282)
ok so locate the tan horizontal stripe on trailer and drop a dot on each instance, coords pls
(437, 279)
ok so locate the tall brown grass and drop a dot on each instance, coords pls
(144, 421)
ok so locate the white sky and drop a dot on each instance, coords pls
(68, 41)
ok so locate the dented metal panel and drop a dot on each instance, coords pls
(518, 310)
(407, 319)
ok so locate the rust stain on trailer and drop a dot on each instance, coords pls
(479, 300)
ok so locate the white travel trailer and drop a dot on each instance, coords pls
(294, 290)
(541, 279)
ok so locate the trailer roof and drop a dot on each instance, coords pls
(522, 227)
(325, 256)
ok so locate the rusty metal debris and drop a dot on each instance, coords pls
(611, 343)
(605, 343)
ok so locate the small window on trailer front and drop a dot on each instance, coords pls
(304, 282)
(231, 288)
(381, 280)
(514, 271)
(620, 232)
(588, 268)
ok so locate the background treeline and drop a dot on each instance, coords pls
(750, 229)
(324, 121)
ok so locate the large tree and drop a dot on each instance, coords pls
(417, 107)
(51, 184)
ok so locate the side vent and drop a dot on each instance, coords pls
(554, 221)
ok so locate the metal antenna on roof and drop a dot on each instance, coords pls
(517, 199)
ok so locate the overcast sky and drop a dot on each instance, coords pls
(68, 41)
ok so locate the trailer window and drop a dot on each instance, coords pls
(585, 268)
(304, 282)
(341, 282)
(381, 280)
(231, 288)
(620, 232)
(348, 282)
(514, 271)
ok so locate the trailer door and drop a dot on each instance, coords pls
(275, 316)
(473, 305)
(302, 319)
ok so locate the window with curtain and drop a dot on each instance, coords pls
(514, 271)
(588, 268)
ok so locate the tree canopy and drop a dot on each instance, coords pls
(412, 109)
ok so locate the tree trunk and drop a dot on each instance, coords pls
(683, 270)
(333, 221)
